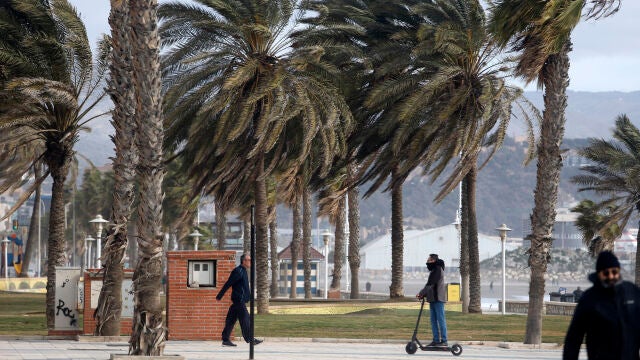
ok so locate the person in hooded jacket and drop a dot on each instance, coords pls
(436, 296)
(608, 314)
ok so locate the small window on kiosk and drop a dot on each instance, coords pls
(202, 273)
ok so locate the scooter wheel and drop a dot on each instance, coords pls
(411, 347)
(456, 350)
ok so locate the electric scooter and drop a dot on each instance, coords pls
(415, 344)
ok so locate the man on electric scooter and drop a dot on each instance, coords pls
(436, 296)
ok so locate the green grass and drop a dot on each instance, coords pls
(23, 314)
(385, 322)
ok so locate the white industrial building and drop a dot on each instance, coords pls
(418, 244)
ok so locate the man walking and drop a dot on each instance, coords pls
(608, 314)
(240, 294)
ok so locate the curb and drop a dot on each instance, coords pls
(125, 340)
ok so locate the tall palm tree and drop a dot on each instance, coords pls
(148, 335)
(453, 101)
(221, 225)
(353, 219)
(614, 175)
(338, 219)
(237, 92)
(51, 106)
(540, 32)
(109, 309)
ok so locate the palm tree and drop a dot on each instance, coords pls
(221, 225)
(353, 218)
(50, 107)
(613, 173)
(148, 335)
(540, 31)
(109, 309)
(237, 92)
(590, 222)
(338, 220)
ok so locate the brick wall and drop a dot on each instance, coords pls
(88, 322)
(193, 313)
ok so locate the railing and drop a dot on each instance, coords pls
(548, 307)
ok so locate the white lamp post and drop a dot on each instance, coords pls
(5, 245)
(196, 236)
(326, 236)
(87, 251)
(503, 229)
(99, 223)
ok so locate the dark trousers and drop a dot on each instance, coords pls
(237, 312)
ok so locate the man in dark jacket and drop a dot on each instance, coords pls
(436, 296)
(608, 314)
(240, 294)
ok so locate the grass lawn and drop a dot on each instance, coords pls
(23, 314)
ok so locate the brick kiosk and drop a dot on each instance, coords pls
(92, 285)
(193, 281)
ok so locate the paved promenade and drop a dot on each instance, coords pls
(271, 349)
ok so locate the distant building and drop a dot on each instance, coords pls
(284, 271)
(418, 244)
(565, 233)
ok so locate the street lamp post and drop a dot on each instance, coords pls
(87, 251)
(503, 229)
(196, 236)
(99, 223)
(326, 235)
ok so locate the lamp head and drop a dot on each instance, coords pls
(503, 229)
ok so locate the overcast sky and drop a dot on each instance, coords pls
(605, 56)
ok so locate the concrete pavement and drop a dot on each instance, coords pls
(38, 348)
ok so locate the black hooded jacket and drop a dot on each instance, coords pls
(609, 317)
(435, 282)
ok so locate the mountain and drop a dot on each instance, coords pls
(589, 114)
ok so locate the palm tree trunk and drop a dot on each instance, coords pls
(396, 289)
(59, 168)
(338, 250)
(221, 225)
(556, 80)
(354, 237)
(31, 247)
(246, 237)
(474, 256)
(464, 249)
(262, 243)
(306, 240)
(273, 249)
(109, 309)
(295, 248)
(149, 334)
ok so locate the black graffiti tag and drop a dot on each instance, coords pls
(66, 312)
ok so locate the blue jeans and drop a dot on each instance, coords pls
(438, 323)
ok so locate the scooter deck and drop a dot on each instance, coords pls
(435, 348)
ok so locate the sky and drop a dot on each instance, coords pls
(605, 56)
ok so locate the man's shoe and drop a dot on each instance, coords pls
(443, 344)
(228, 343)
(256, 342)
(433, 343)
